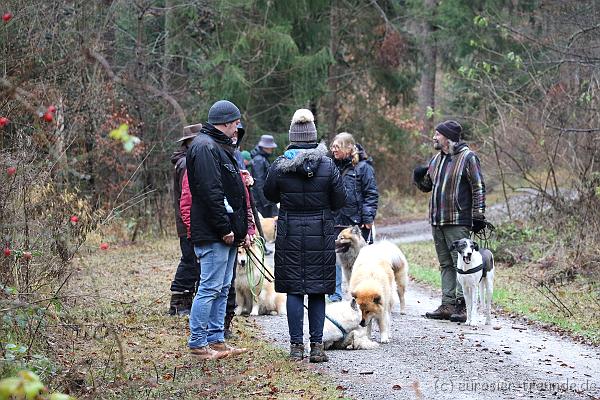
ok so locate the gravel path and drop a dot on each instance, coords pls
(442, 360)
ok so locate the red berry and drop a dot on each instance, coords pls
(7, 252)
(104, 246)
(10, 171)
(26, 255)
(74, 219)
(51, 109)
(7, 17)
(3, 122)
(48, 117)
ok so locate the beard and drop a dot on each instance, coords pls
(437, 145)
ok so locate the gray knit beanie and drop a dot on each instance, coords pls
(302, 128)
(222, 112)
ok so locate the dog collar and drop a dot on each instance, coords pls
(470, 271)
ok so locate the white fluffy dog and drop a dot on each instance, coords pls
(475, 270)
(342, 328)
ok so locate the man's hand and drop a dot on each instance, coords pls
(248, 179)
(478, 224)
(248, 241)
(228, 239)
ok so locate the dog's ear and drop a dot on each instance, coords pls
(377, 300)
(356, 229)
(354, 305)
(475, 246)
(454, 245)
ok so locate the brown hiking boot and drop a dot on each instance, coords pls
(317, 355)
(207, 353)
(297, 351)
(442, 312)
(222, 346)
(460, 315)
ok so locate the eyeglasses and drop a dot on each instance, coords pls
(334, 147)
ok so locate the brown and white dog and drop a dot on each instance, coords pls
(475, 272)
(376, 270)
(269, 227)
(254, 294)
(347, 246)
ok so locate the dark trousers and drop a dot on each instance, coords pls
(231, 295)
(188, 271)
(316, 317)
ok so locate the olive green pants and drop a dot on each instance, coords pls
(443, 236)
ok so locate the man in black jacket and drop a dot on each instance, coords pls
(218, 224)
(260, 166)
(183, 286)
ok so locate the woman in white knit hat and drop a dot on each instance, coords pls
(307, 184)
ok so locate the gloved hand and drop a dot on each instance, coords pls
(478, 223)
(419, 173)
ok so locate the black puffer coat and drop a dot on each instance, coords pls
(361, 189)
(308, 185)
(214, 175)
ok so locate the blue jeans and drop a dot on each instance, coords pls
(337, 296)
(207, 316)
(316, 317)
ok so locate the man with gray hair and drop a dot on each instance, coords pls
(456, 207)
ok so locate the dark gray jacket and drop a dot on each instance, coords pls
(361, 190)
(214, 175)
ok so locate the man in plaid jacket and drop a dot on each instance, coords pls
(456, 207)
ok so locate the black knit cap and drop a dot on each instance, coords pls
(450, 129)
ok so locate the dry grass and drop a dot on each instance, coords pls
(122, 343)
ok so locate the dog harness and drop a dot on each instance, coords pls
(484, 266)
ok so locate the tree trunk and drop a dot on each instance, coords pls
(331, 105)
(428, 70)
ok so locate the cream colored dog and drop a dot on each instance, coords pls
(254, 294)
(374, 273)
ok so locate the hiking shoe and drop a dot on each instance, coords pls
(297, 351)
(460, 314)
(317, 355)
(207, 353)
(442, 312)
(224, 347)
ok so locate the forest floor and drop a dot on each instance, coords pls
(133, 349)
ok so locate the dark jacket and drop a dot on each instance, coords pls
(178, 159)
(214, 176)
(457, 186)
(361, 190)
(308, 186)
(260, 167)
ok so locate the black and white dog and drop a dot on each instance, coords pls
(475, 270)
